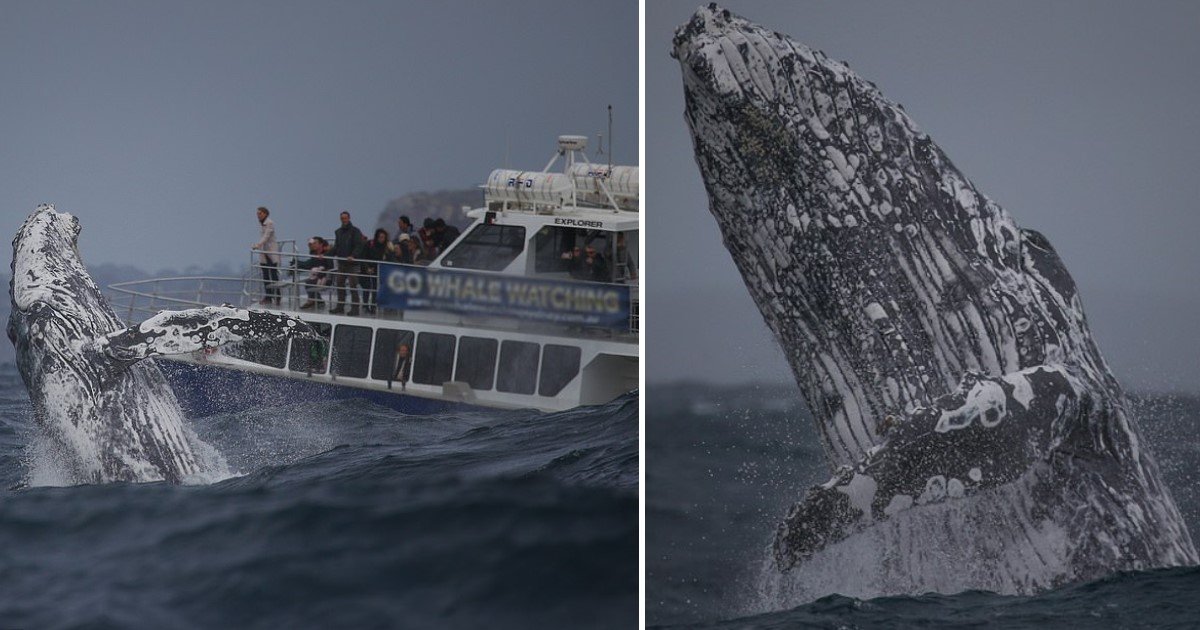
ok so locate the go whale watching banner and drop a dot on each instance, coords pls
(409, 287)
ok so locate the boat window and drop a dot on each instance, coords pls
(269, 352)
(625, 256)
(386, 365)
(550, 244)
(560, 250)
(435, 359)
(351, 350)
(489, 247)
(518, 367)
(309, 355)
(476, 362)
(560, 364)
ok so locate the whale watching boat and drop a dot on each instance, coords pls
(500, 319)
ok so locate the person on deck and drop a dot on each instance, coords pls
(428, 240)
(378, 250)
(316, 266)
(268, 259)
(405, 226)
(626, 265)
(348, 244)
(593, 266)
(571, 262)
(444, 234)
(409, 251)
(589, 265)
(401, 366)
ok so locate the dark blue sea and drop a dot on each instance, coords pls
(723, 465)
(341, 515)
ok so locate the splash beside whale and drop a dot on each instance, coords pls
(95, 390)
(943, 350)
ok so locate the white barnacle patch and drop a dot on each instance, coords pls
(875, 311)
(792, 217)
(986, 401)
(935, 490)
(875, 138)
(899, 503)
(1022, 389)
(861, 491)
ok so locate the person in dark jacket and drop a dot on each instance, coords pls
(444, 234)
(375, 252)
(428, 241)
(593, 266)
(348, 245)
(401, 366)
(586, 264)
(316, 266)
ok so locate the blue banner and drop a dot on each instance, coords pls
(408, 287)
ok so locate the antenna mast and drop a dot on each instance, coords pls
(610, 144)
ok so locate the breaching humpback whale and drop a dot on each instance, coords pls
(94, 389)
(942, 349)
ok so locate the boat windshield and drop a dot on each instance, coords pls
(488, 247)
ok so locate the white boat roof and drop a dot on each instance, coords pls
(585, 217)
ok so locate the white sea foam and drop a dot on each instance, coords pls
(976, 542)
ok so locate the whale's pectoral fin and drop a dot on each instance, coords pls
(180, 332)
(986, 433)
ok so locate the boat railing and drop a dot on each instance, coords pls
(138, 299)
(291, 287)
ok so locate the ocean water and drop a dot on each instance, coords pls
(724, 464)
(342, 514)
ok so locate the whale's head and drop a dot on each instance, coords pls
(45, 246)
(55, 304)
(794, 143)
(882, 270)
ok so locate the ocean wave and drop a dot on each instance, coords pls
(340, 513)
(1140, 599)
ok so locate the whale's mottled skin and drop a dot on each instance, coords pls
(942, 348)
(94, 389)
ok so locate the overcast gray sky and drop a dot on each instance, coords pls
(162, 125)
(1080, 118)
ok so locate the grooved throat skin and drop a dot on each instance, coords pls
(942, 348)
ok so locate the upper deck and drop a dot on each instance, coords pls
(520, 264)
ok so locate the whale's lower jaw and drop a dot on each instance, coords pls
(1039, 532)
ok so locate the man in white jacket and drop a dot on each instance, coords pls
(268, 257)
